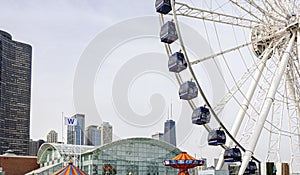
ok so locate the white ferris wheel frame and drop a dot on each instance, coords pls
(182, 9)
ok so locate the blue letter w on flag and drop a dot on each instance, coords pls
(70, 121)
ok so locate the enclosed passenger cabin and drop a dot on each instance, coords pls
(168, 33)
(163, 6)
(201, 116)
(188, 90)
(216, 137)
(251, 168)
(232, 155)
(177, 62)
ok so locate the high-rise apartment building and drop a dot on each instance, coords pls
(52, 137)
(15, 90)
(106, 133)
(75, 134)
(92, 136)
(170, 132)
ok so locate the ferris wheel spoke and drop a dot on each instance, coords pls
(220, 53)
(239, 83)
(279, 33)
(279, 6)
(284, 6)
(264, 12)
(188, 11)
(253, 14)
(233, 90)
(277, 10)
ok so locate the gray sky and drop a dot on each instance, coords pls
(59, 32)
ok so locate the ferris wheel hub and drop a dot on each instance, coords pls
(258, 33)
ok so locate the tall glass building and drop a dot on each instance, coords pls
(135, 156)
(92, 135)
(170, 132)
(75, 134)
(15, 91)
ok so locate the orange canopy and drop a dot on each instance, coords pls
(183, 162)
(184, 156)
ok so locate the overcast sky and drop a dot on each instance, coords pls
(60, 32)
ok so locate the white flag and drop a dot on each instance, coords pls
(70, 121)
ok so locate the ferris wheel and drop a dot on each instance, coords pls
(254, 50)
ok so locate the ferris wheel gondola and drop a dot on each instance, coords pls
(201, 116)
(232, 155)
(216, 137)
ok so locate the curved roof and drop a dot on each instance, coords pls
(62, 149)
(7, 35)
(159, 143)
(66, 149)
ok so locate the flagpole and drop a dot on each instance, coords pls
(80, 148)
(62, 127)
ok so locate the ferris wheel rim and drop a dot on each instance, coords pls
(207, 103)
(191, 103)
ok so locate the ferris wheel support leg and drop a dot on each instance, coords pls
(243, 109)
(294, 152)
(267, 105)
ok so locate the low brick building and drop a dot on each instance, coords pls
(12, 164)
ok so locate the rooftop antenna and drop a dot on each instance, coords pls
(171, 110)
(168, 115)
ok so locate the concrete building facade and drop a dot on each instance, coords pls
(106, 133)
(52, 137)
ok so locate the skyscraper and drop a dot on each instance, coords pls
(52, 137)
(170, 132)
(106, 133)
(15, 90)
(92, 136)
(75, 134)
